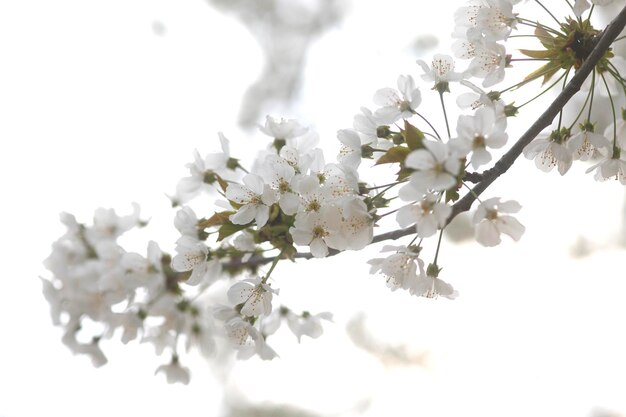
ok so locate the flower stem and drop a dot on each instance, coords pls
(547, 10)
(608, 91)
(445, 114)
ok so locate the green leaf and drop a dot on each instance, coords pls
(547, 71)
(413, 137)
(229, 228)
(216, 219)
(544, 37)
(452, 195)
(223, 184)
(395, 154)
(537, 54)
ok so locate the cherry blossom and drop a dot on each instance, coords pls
(490, 223)
(255, 197)
(397, 104)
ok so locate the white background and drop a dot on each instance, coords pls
(97, 110)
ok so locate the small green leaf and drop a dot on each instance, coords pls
(537, 54)
(413, 137)
(215, 220)
(452, 195)
(229, 228)
(395, 154)
(223, 184)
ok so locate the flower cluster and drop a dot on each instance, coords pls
(290, 202)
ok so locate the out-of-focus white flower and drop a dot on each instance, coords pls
(612, 165)
(307, 324)
(433, 287)
(350, 151)
(282, 128)
(247, 340)
(204, 171)
(397, 104)
(366, 124)
(581, 5)
(401, 269)
(428, 215)
(490, 222)
(174, 372)
(186, 222)
(489, 19)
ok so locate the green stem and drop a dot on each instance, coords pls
(561, 112)
(593, 88)
(548, 11)
(543, 92)
(445, 115)
(438, 246)
(526, 81)
(582, 109)
(429, 124)
(608, 91)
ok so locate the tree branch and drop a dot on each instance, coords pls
(485, 179)
(605, 40)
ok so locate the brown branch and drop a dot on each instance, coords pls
(605, 39)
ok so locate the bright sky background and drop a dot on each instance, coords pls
(96, 110)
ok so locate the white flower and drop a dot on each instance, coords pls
(479, 98)
(620, 129)
(433, 287)
(428, 215)
(401, 269)
(186, 222)
(396, 106)
(307, 324)
(489, 61)
(612, 165)
(584, 143)
(254, 294)
(174, 372)
(247, 340)
(489, 19)
(282, 128)
(281, 177)
(350, 151)
(366, 124)
(204, 172)
(435, 168)
(489, 221)
(255, 197)
(581, 5)
(319, 230)
(478, 132)
(191, 255)
(356, 223)
(550, 152)
(441, 71)
(107, 225)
